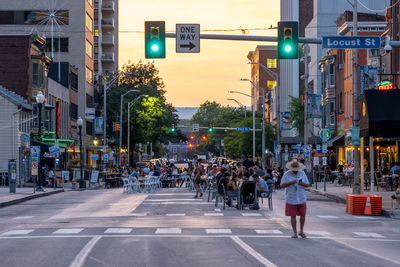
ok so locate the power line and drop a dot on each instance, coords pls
(373, 10)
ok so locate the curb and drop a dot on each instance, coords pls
(23, 199)
(334, 197)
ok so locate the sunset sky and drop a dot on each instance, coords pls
(191, 79)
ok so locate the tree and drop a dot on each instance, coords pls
(296, 109)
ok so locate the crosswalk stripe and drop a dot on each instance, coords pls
(175, 214)
(251, 214)
(118, 231)
(68, 231)
(138, 214)
(218, 231)
(18, 232)
(263, 232)
(365, 217)
(23, 217)
(213, 214)
(366, 234)
(168, 231)
(217, 210)
(327, 216)
(322, 233)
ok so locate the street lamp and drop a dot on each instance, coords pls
(120, 120)
(239, 104)
(80, 123)
(278, 118)
(254, 116)
(40, 100)
(130, 104)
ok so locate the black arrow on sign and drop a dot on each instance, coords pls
(190, 45)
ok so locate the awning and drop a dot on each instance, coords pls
(336, 141)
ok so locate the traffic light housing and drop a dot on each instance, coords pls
(154, 36)
(173, 128)
(210, 128)
(288, 39)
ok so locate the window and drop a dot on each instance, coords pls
(89, 75)
(271, 63)
(74, 81)
(32, 17)
(59, 44)
(89, 127)
(89, 101)
(35, 74)
(89, 49)
(331, 74)
(271, 84)
(74, 111)
(89, 23)
(90, 2)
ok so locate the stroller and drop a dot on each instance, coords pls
(248, 196)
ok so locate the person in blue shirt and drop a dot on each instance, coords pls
(261, 185)
(396, 167)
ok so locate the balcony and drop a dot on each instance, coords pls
(108, 6)
(107, 57)
(108, 40)
(107, 23)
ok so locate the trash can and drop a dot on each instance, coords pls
(12, 175)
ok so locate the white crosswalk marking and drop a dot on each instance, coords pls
(364, 217)
(218, 231)
(251, 214)
(366, 234)
(263, 232)
(217, 210)
(138, 214)
(175, 214)
(68, 231)
(168, 231)
(213, 214)
(327, 216)
(23, 217)
(18, 232)
(322, 233)
(118, 231)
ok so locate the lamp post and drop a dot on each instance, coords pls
(254, 116)
(240, 105)
(130, 104)
(278, 118)
(80, 122)
(40, 100)
(120, 122)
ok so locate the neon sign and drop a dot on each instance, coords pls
(385, 85)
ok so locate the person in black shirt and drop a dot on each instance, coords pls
(249, 163)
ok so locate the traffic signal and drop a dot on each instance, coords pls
(190, 145)
(192, 137)
(173, 128)
(204, 138)
(154, 36)
(210, 128)
(288, 39)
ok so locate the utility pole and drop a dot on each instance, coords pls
(356, 129)
(263, 129)
(254, 119)
(306, 95)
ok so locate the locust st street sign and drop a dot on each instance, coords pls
(351, 42)
(187, 38)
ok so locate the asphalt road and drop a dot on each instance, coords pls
(170, 228)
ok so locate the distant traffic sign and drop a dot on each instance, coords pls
(195, 127)
(187, 38)
(243, 129)
(351, 42)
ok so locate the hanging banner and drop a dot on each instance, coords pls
(98, 125)
(315, 108)
(285, 121)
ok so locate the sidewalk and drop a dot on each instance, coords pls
(338, 193)
(23, 194)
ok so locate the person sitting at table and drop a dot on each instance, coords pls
(135, 173)
(396, 167)
(232, 188)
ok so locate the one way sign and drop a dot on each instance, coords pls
(187, 38)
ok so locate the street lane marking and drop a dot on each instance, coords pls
(217, 210)
(99, 215)
(175, 214)
(68, 231)
(138, 214)
(252, 252)
(218, 231)
(81, 257)
(213, 214)
(18, 232)
(176, 203)
(263, 232)
(364, 217)
(118, 231)
(251, 214)
(322, 233)
(23, 217)
(327, 216)
(365, 234)
(168, 231)
(172, 200)
(60, 217)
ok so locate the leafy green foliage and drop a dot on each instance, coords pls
(296, 109)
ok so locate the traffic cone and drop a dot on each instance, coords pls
(367, 209)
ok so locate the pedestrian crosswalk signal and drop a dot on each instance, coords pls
(288, 40)
(154, 32)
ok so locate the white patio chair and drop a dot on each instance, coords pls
(125, 185)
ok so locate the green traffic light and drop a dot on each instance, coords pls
(172, 129)
(288, 48)
(210, 129)
(154, 47)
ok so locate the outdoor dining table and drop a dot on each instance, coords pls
(392, 180)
